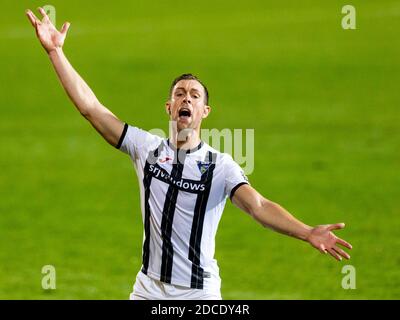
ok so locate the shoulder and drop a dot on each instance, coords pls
(142, 135)
(220, 157)
(135, 139)
(223, 160)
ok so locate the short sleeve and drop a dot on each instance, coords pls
(234, 176)
(134, 139)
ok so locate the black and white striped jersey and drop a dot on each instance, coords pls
(183, 194)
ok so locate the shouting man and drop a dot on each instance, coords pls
(184, 184)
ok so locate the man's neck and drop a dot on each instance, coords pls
(192, 140)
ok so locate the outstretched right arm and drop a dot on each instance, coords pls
(102, 119)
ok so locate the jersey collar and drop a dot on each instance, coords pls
(186, 150)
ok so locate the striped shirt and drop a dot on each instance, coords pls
(183, 194)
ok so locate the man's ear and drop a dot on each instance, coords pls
(206, 112)
(168, 107)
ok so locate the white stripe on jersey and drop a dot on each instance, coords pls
(182, 200)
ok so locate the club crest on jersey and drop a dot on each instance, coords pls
(203, 166)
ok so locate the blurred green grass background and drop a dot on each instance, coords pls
(323, 102)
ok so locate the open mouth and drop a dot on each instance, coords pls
(184, 113)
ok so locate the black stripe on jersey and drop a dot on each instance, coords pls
(197, 278)
(121, 138)
(146, 184)
(168, 218)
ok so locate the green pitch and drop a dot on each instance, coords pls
(323, 102)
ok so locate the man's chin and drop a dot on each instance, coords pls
(182, 126)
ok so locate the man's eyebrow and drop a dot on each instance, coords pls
(193, 89)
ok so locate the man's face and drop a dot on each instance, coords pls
(187, 104)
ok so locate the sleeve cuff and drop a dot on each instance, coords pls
(235, 188)
(121, 139)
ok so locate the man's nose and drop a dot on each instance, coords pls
(187, 99)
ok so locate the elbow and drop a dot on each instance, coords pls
(84, 113)
(87, 111)
(260, 208)
(87, 106)
(82, 107)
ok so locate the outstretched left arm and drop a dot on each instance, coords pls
(272, 215)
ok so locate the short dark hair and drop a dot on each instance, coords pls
(188, 76)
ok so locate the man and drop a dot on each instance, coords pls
(184, 184)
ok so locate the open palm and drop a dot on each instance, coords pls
(322, 238)
(49, 36)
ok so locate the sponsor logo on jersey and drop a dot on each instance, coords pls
(183, 184)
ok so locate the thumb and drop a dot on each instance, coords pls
(336, 226)
(65, 28)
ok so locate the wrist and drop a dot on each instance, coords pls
(305, 233)
(55, 52)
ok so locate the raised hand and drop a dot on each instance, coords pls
(323, 239)
(48, 35)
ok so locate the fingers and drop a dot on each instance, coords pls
(334, 254)
(341, 252)
(65, 28)
(344, 243)
(32, 18)
(322, 249)
(336, 226)
(43, 13)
